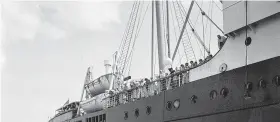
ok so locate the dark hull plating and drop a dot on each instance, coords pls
(252, 99)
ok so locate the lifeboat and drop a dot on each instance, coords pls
(99, 85)
(94, 104)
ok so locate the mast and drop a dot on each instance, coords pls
(167, 29)
(159, 37)
(152, 45)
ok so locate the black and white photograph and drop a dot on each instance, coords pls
(140, 60)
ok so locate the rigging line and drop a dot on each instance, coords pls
(174, 26)
(206, 25)
(217, 5)
(183, 28)
(152, 41)
(181, 7)
(207, 20)
(129, 22)
(124, 63)
(179, 25)
(246, 53)
(127, 40)
(155, 42)
(173, 22)
(204, 14)
(133, 25)
(204, 29)
(156, 59)
(126, 29)
(124, 39)
(190, 24)
(137, 33)
(183, 46)
(209, 47)
(163, 26)
(182, 10)
(167, 28)
(197, 15)
(203, 36)
(133, 39)
(183, 13)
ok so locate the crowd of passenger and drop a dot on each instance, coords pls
(136, 89)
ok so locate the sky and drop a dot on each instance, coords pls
(46, 48)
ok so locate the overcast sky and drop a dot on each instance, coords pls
(47, 46)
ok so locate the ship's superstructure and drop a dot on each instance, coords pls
(240, 83)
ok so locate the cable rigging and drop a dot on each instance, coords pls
(183, 11)
(136, 36)
(196, 34)
(126, 40)
(211, 11)
(204, 14)
(182, 26)
(133, 41)
(173, 22)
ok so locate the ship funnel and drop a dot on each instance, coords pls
(107, 66)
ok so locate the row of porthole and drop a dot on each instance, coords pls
(262, 83)
(224, 92)
(137, 113)
(213, 94)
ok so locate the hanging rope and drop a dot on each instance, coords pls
(204, 14)
(164, 27)
(203, 35)
(126, 40)
(173, 22)
(217, 5)
(197, 15)
(182, 9)
(177, 18)
(185, 38)
(133, 41)
(209, 47)
(136, 35)
(127, 51)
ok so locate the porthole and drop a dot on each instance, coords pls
(169, 105)
(276, 80)
(148, 110)
(136, 112)
(176, 103)
(224, 92)
(213, 94)
(125, 115)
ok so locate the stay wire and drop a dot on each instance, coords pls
(134, 39)
(127, 51)
(173, 22)
(246, 55)
(192, 27)
(137, 33)
(211, 13)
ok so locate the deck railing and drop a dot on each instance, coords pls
(151, 88)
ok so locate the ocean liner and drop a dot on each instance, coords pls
(240, 83)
